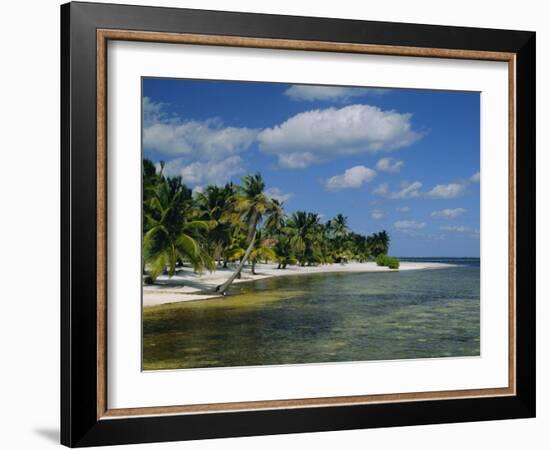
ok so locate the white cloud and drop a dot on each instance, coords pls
(278, 194)
(377, 215)
(323, 134)
(455, 228)
(299, 160)
(204, 139)
(306, 93)
(200, 140)
(351, 179)
(382, 189)
(475, 178)
(407, 225)
(152, 111)
(408, 190)
(463, 230)
(389, 165)
(404, 209)
(412, 190)
(451, 190)
(202, 173)
(449, 213)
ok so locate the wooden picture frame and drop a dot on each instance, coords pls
(86, 418)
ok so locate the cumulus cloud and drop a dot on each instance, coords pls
(408, 190)
(377, 215)
(407, 225)
(202, 173)
(451, 190)
(298, 160)
(278, 194)
(200, 151)
(449, 213)
(206, 139)
(323, 134)
(197, 139)
(352, 178)
(306, 93)
(389, 165)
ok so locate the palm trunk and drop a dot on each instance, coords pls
(223, 287)
(253, 268)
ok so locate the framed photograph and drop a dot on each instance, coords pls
(276, 224)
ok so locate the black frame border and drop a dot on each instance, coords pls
(79, 424)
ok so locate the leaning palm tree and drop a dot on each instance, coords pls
(249, 206)
(172, 235)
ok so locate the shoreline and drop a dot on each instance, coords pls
(186, 286)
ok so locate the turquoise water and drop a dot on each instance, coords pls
(322, 318)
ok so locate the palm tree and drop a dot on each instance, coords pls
(171, 235)
(249, 206)
(284, 249)
(223, 223)
(212, 204)
(339, 226)
(235, 250)
(276, 220)
(358, 247)
(338, 231)
(384, 241)
(306, 237)
(379, 243)
(263, 249)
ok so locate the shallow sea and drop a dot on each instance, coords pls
(325, 317)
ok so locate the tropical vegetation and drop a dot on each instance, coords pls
(239, 224)
(387, 261)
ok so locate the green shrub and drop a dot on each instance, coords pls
(392, 263)
(381, 260)
(387, 261)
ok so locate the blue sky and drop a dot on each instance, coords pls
(406, 161)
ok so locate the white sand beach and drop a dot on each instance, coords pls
(186, 285)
